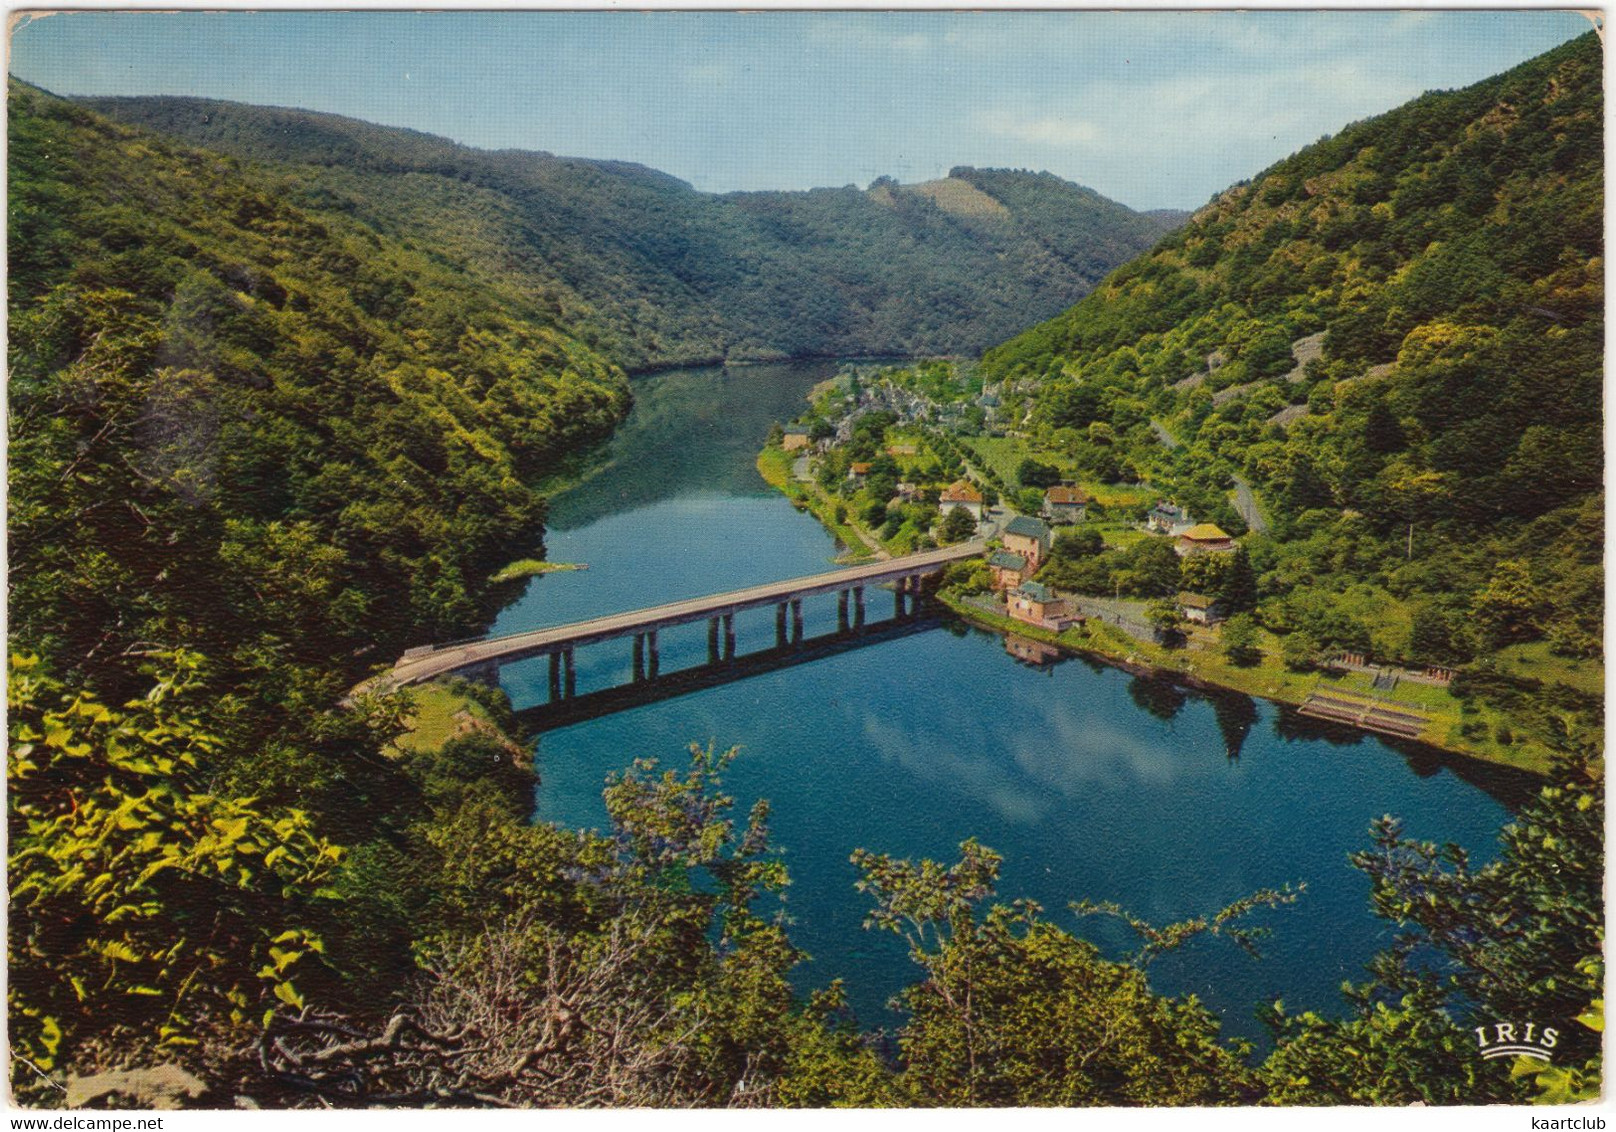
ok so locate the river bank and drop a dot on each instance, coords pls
(1269, 679)
(1089, 780)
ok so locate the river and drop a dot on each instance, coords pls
(1092, 782)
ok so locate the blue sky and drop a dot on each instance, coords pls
(1155, 109)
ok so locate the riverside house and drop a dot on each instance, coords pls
(1009, 570)
(1036, 604)
(1167, 518)
(1065, 504)
(1029, 538)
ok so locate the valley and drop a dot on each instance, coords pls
(1254, 757)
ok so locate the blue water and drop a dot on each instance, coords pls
(1093, 783)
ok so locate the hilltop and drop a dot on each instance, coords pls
(663, 274)
(1395, 338)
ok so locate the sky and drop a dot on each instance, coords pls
(1154, 109)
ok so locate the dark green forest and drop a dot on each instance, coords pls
(272, 422)
(1430, 452)
(657, 274)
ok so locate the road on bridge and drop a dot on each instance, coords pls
(417, 666)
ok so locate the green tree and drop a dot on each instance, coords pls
(1073, 543)
(1240, 640)
(1301, 651)
(1164, 617)
(1033, 473)
(146, 911)
(1506, 608)
(1014, 1011)
(957, 526)
(1155, 568)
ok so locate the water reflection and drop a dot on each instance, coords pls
(1236, 715)
(692, 431)
(1158, 695)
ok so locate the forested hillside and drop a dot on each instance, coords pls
(268, 423)
(209, 383)
(665, 274)
(1396, 335)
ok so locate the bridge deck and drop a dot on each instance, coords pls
(413, 669)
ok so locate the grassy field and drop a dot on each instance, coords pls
(1118, 536)
(1003, 456)
(1536, 661)
(774, 465)
(440, 714)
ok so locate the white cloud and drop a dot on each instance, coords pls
(1047, 129)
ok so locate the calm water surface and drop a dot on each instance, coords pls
(1091, 782)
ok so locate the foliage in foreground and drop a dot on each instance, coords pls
(649, 965)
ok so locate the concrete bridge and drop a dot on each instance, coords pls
(483, 659)
(679, 682)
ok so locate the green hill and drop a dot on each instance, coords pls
(665, 274)
(1396, 336)
(254, 426)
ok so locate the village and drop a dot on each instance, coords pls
(892, 470)
(900, 461)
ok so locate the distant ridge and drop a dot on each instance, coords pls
(664, 274)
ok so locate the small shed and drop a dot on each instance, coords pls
(1199, 609)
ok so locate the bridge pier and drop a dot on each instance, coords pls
(482, 659)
